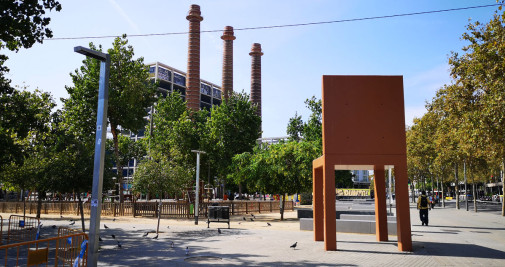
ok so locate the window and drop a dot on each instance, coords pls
(152, 69)
(164, 74)
(217, 93)
(179, 79)
(205, 89)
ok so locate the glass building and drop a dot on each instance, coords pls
(169, 80)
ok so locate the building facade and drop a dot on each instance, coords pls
(169, 80)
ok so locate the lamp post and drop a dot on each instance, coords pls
(101, 134)
(197, 189)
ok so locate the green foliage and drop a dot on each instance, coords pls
(130, 94)
(24, 118)
(312, 129)
(22, 24)
(160, 176)
(233, 128)
(343, 179)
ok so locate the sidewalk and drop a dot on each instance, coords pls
(453, 238)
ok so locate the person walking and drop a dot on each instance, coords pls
(422, 206)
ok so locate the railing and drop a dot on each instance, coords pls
(22, 228)
(60, 248)
(168, 209)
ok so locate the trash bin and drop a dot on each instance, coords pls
(191, 208)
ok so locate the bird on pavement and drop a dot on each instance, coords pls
(156, 237)
(54, 226)
(114, 219)
(113, 236)
(145, 234)
(72, 223)
(252, 220)
(252, 215)
(105, 226)
(219, 231)
(61, 217)
(172, 244)
(294, 245)
(119, 244)
(168, 226)
(269, 224)
(244, 218)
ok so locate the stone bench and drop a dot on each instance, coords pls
(350, 226)
(364, 217)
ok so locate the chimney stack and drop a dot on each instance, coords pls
(193, 74)
(228, 38)
(256, 76)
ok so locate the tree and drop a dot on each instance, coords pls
(22, 24)
(312, 130)
(159, 176)
(233, 128)
(130, 94)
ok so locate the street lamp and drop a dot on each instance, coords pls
(197, 189)
(101, 135)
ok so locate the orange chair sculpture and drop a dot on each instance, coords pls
(363, 129)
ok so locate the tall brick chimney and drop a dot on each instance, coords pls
(256, 76)
(193, 74)
(228, 38)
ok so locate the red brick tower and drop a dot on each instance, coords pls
(193, 74)
(256, 76)
(228, 38)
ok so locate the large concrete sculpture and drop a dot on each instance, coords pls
(363, 129)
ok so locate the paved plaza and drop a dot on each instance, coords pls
(453, 238)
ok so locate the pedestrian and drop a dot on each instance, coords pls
(422, 206)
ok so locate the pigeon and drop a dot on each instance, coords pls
(187, 251)
(61, 217)
(172, 244)
(100, 239)
(72, 223)
(244, 218)
(239, 223)
(118, 244)
(156, 237)
(71, 220)
(114, 219)
(219, 231)
(294, 245)
(252, 215)
(113, 236)
(54, 226)
(145, 234)
(252, 220)
(105, 226)
(168, 227)
(269, 224)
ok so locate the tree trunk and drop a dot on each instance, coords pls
(39, 204)
(82, 212)
(466, 192)
(159, 217)
(474, 196)
(239, 191)
(456, 185)
(282, 206)
(443, 196)
(503, 187)
(119, 167)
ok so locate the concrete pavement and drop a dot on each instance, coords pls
(453, 238)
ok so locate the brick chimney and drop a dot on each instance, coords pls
(193, 74)
(228, 38)
(256, 76)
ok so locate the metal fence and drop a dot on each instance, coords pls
(168, 209)
(22, 228)
(61, 250)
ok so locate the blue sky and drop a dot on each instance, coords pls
(295, 58)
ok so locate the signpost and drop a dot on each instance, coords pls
(197, 189)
